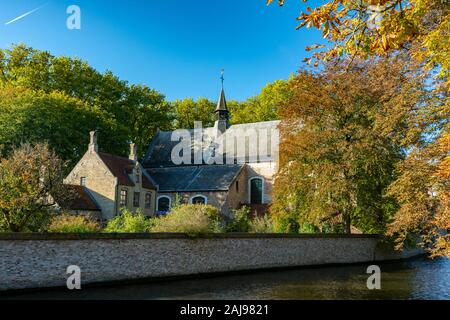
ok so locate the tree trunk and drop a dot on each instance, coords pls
(347, 223)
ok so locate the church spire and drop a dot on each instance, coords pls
(222, 110)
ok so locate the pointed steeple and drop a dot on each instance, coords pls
(222, 110)
(222, 103)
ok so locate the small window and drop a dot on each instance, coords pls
(123, 198)
(138, 178)
(136, 201)
(163, 205)
(83, 181)
(199, 200)
(237, 186)
(256, 190)
(148, 200)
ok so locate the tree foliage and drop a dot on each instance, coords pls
(263, 107)
(188, 110)
(342, 135)
(134, 112)
(62, 121)
(421, 29)
(375, 27)
(27, 178)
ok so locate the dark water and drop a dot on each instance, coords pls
(413, 279)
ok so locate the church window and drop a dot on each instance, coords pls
(83, 181)
(136, 199)
(163, 204)
(123, 198)
(148, 200)
(199, 199)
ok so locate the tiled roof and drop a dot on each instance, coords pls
(78, 199)
(159, 152)
(121, 168)
(195, 178)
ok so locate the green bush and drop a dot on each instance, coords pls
(261, 225)
(240, 221)
(307, 228)
(192, 219)
(66, 223)
(128, 222)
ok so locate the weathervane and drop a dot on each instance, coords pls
(222, 76)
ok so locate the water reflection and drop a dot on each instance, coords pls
(415, 279)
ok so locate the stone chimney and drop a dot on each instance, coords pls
(93, 146)
(133, 152)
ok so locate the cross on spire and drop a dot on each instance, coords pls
(222, 76)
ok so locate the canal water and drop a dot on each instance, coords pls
(412, 279)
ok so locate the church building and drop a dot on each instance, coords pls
(242, 176)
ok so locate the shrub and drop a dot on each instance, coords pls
(128, 222)
(307, 228)
(67, 223)
(192, 219)
(261, 225)
(240, 221)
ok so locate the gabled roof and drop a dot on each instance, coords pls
(195, 178)
(78, 199)
(121, 168)
(159, 152)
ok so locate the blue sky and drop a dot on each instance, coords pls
(175, 46)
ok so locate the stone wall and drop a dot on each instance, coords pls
(130, 199)
(100, 183)
(40, 260)
(266, 170)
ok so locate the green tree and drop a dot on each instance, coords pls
(64, 122)
(263, 107)
(137, 111)
(188, 110)
(147, 113)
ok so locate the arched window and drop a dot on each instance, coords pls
(163, 204)
(256, 188)
(199, 199)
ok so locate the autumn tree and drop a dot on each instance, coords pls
(341, 137)
(420, 29)
(376, 27)
(27, 178)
